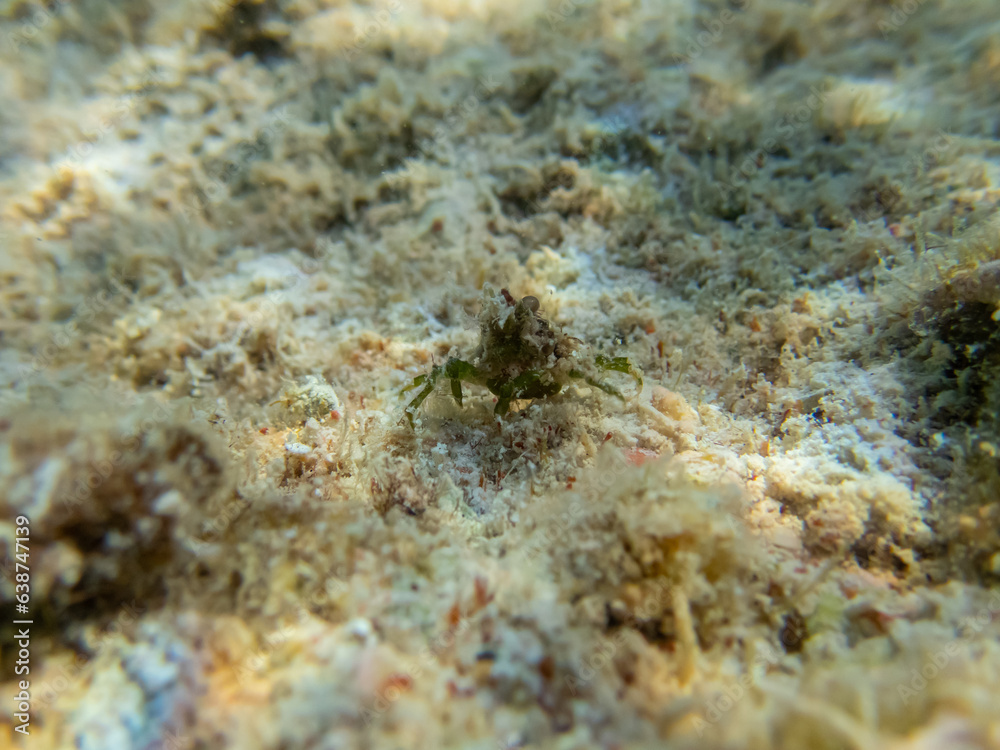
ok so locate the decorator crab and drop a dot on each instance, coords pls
(519, 356)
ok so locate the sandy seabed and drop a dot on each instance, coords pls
(232, 234)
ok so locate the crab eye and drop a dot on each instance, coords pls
(531, 303)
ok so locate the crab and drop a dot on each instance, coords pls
(519, 357)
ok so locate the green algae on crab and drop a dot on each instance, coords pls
(520, 356)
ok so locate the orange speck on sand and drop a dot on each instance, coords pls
(399, 681)
(637, 456)
(483, 597)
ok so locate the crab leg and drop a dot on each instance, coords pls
(429, 380)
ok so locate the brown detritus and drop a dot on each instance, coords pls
(793, 632)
